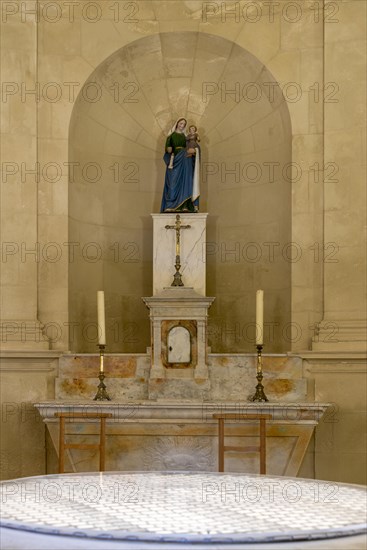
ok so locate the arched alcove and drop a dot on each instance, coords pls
(116, 142)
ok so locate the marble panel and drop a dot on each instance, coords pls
(192, 251)
(128, 390)
(229, 378)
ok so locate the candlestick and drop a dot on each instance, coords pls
(259, 394)
(101, 318)
(259, 317)
(101, 394)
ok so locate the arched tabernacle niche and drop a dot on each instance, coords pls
(116, 140)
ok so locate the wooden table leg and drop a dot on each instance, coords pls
(102, 445)
(262, 446)
(220, 445)
(62, 445)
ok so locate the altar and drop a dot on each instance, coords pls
(162, 402)
(168, 435)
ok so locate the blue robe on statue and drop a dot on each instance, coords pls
(178, 192)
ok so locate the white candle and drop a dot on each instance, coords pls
(101, 318)
(259, 317)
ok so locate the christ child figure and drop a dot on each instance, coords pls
(192, 141)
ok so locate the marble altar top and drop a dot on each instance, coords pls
(301, 413)
(184, 507)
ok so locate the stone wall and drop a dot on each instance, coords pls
(25, 377)
(340, 442)
(298, 49)
(289, 53)
(322, 52)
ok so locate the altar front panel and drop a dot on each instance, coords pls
(148, 437)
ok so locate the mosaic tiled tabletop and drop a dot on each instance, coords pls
(183, 507)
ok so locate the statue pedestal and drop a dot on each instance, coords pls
(192, 251)
(179, 314)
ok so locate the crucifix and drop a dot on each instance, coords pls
(177, 281)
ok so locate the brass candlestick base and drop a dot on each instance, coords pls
(259, 394)
(177, 280)
(101, 394)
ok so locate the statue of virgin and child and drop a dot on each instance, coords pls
(182, 158)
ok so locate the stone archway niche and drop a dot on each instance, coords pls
(116, 140)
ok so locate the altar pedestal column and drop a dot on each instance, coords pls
(179, 307)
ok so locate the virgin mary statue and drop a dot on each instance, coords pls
(181, 185)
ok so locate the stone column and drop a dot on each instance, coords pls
(344, 323)
(20, 328)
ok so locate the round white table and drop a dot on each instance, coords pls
(158, 510)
